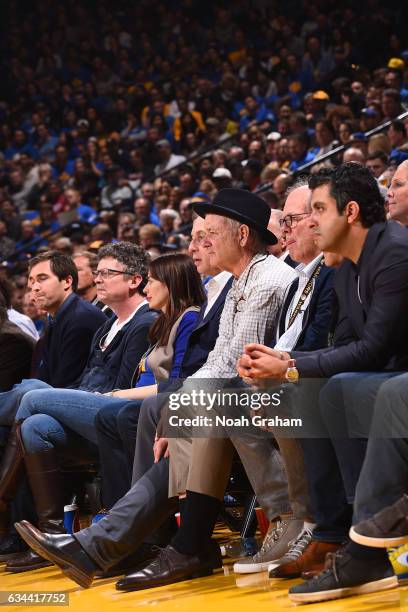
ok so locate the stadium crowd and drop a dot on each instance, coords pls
(170, 211)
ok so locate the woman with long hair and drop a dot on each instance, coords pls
(175, 290)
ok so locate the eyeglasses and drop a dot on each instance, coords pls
(108, 273)
(292, 220)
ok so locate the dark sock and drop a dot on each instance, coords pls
(199, 513)
(366, 553)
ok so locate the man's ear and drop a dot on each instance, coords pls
(352, 212)
(68, 282)
(135, 281)
(243, 235)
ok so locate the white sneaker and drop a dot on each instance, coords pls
(275, 545)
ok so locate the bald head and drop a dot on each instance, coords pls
(353, 154)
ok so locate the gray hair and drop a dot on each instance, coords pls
(302, 181)
(133, 257)
(256, 244)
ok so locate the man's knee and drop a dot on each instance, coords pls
(106, 420)
(128, 417)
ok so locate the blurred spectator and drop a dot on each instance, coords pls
(16, 317)
(377, 162)
(16, 348)
(7, 245)
(117, 192)
(30, 310)
(72, 202)
(352, 154)
(149, 236)
(168, 160)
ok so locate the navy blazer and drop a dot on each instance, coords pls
(114, 367)
(373, 305)
(202, 339)
(68, 340)
(317, 320)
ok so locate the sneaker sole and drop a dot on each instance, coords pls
(377, 542)
(251, 568)
(363, 589)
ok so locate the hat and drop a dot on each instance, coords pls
(83, 122)
(212, 122)
(243, 206)
(163, 143)
(370, 112)
(275, 136)
(359, 136)
(255, 165)
(222, 173)
(396, 63)
(320, 95)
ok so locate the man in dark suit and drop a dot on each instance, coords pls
(53, 280)
(372, 290)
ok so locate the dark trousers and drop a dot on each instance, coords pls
(334, 461)
(140, 516)
(384, 475)
(116, 435)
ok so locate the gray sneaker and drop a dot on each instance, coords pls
(275, 545)
(297, 547)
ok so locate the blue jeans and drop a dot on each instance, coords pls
(51, 415)
(10, 400)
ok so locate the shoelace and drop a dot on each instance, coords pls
(330, 565)
(298, 545)
(270, 539)
(161, 558)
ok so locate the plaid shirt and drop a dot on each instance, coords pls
(250, 313)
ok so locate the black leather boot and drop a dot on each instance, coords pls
(11, 470)
(47, 486)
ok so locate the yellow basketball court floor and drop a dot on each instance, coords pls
(223, 592)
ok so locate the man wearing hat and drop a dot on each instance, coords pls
(237, 239)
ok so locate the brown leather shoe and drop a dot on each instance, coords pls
(312, 560)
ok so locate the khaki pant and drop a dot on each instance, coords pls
(278, 478)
